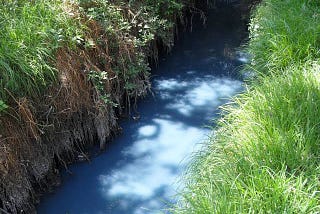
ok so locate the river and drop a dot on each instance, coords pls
(139, 171)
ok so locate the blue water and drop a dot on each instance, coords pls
(139, 171)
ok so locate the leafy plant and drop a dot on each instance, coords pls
(99, 80)
(3, 106)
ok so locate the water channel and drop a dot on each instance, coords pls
(139, 171)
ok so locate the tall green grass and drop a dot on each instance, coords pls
(284, 32)
(264, 155)
(31, 32)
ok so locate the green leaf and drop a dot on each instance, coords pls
(3, 106)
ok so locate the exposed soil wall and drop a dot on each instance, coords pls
(39, 135)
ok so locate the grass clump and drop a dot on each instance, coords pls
(264, 155)
(284, 32)
(31, 33)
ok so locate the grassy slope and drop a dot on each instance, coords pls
(264, 157)
(33, 31)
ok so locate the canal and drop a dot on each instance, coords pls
(140, 170)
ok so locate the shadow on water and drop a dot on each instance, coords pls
(138, 172)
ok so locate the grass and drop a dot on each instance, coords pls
(31, 32)
(264, 155)
(284, 32)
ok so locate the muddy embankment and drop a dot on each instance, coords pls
(96, 85)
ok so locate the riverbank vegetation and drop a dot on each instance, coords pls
(263, 156)
(35, 31)
(68, 70)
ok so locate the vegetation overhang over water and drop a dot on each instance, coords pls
(264, 157)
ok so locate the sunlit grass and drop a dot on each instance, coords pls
(264, 155)
(31, 32)
(284, 32)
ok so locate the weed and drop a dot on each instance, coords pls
(31, 33)
(284, 32)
